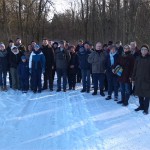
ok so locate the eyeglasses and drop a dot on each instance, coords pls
(144, 49)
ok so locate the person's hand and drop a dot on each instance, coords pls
(72, 66)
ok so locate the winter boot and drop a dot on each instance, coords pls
(108, 97)
(102, 93)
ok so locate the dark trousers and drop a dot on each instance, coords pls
(144, 103)
(86, 82)
(79, 75)
(3, 75)
(72, 78)
(24, 84)
(125, 92)
(36, 79)
(98, 78)
(112, 84)
(10, 79)
(61, 73)
(48, 76)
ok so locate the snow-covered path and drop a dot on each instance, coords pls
(70, 121)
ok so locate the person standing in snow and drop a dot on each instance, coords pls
(126, 62)
(37, 68)
(3, 67)
(111, 77)
(23, 72)
(141, 79)
(14, 60)
(98, 60)
(20, 46)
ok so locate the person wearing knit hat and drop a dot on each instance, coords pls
(141, 79)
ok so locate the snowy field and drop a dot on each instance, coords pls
(70, 121)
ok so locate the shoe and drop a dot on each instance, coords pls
(108, 98)
(70, 88)
(94, 93)
(51, 89)
(39, 91)
(83, 90)
(64, 90)
(44, 88)
(74, 88)
(88, 91)
(102, 94)
(145, 112)
(34, 91)
(120, 102)
(116, 99)
(138, 109)
(125, 104)
(58, 90)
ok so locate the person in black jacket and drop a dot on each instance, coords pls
(73, 67)
(14, 60)
(23, 71)
(111, 77)
(3, 67)
(49, 56)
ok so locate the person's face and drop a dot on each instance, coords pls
(33, 43)
(18, 41)
(126, 49)
(2, 48)
(98, 46)
(45, 42)
(11, 44)
(62, 45)
(29, 47)
(55, 45)
(23, 60)
(113, 50)
(72, 49)
(86, 46)
(80, 43)
(133, 45)
(118, 45)
(144, 51)
(15, 49)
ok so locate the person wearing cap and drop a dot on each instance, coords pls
(111, 77)
(141, 79)
(23, 71)
(3, 67)
(126, 62)
(14, 60)
(37, 68)
(62, 58)
(98, 60)
(49, 66)
(119, 48)
(10, 44)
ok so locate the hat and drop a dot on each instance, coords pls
(87, 42)
(55, 43)
(2, 44)
(23, 57)
(62, 42)
(81, 40)
(14, 47)
(11, 41)
(37, 46)
(110, 42)
(146, 46)
(127, 46)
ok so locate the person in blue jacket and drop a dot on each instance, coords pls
(23, 72)
(37, 67)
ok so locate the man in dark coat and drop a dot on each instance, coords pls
(20, 46)
(49, 66)
(62, 58)
(141, 78)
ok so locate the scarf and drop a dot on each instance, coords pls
(112, 61)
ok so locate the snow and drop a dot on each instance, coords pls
(70, 121)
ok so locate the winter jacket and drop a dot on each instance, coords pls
(109, 66)
(3, 60)
(62, 58)
(126, 61)
(37, 61)
(98, 61)
(141, 76)
(14, 59)
(49, 56)
(83, 55)
(23, 70)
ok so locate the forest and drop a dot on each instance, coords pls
(92, 20)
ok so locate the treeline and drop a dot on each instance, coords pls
(93, 20)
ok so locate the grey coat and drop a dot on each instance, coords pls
(98, 61)
(141, 76)
(62, 59)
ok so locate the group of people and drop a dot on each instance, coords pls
(107, 67)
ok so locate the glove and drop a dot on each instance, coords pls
(30, 70)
